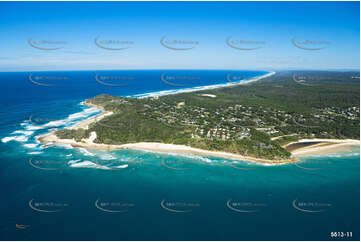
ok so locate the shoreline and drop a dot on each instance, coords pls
(200, 88)
(85, 123)
(158, 147)
(324, 146)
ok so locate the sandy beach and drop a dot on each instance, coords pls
(324, 146)
(85, 124)
(156, 147)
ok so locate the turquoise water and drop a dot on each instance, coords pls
(62, 193)
(204, 188)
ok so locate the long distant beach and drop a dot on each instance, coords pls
(202, 88)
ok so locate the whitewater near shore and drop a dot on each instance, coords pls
(325, 146)
(155, 147)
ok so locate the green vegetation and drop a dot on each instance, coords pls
(240, 119)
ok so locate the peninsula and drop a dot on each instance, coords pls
(273, 120)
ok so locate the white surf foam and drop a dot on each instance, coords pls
(66, 146)
(86, 152)
(122, 166)
(196, 157)
(68, 121)
(107, 157)
(89, 164)
(30, 145)
(24, 123)
(34, 127)
(24, 132)
(35, 153)
(15, 138)
(83, 114)
(55, 123)
(73, 161)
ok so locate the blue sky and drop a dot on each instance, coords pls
(325, 34)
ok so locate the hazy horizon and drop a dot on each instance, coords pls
(174, 69)
(43, 36)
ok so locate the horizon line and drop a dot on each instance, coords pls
(182, 69)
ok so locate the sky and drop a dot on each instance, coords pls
(45, 36)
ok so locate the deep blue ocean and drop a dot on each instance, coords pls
(62, 193)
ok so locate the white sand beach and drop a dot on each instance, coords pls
(85, 124)
(156, 147)
(326, 146)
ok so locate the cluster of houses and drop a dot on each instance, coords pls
(235, 122)
(349, 113)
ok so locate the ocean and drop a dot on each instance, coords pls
(63, 193)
